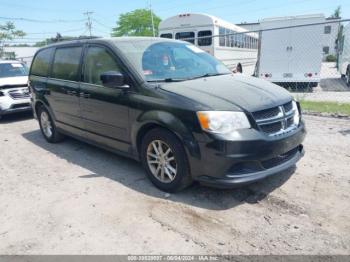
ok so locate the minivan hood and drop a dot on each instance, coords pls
(231, 92)
(7, 82)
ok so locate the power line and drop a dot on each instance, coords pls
(40, 8)
(60, 31)
(101, 24)
(40, 21)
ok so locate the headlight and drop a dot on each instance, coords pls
(296, 119)
(1, 93)
(222, 122)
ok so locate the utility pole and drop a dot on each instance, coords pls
(89, 21)
(150, 8)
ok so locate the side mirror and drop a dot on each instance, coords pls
(113, 79)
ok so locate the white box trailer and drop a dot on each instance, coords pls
(344, 54)
(291, 56)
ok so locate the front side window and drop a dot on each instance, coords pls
(66, 63)
(168, 35)
(186, 36)
(97, 61)
(204, 41)
(12, 70)
(41, 63)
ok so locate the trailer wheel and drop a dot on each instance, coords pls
(239, 68)
(347, 77)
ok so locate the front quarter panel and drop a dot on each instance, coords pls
(158, 109)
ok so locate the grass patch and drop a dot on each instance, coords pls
(326, 107)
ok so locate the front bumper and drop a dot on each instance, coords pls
(16, 108)
(233, 180)
(250, 157)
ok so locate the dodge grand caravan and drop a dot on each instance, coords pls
(170, 105)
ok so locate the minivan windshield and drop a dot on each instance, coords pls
(12, 70)
(158, 60)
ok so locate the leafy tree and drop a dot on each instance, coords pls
(8, 32)
(336, 13)
(136, 23)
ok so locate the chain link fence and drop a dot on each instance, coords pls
(311, 60)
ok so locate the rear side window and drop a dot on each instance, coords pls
(41, 63)
(168, 35)
(186, 36)
(204, 41)
(66, 63)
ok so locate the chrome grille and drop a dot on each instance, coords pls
(276, 120)
(19, 94)
(267, 113)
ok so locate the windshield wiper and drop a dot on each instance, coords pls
(167, 80)
(207, 75)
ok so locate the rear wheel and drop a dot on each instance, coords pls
(47, 126)
(347, 77)
(165, 161)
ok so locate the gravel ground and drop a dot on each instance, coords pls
(72, 198)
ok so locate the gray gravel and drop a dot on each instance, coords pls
(72, 198)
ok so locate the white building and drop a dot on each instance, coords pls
(329, 37)
(329, 34)
(24, 54)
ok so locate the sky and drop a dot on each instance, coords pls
(43, 18)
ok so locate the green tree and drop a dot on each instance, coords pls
(136, 23)
(8, 32)
(336, 13)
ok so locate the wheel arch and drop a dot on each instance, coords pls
(38, 104)
(160, 119)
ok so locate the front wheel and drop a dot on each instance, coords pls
(47, 126)
(164, 159)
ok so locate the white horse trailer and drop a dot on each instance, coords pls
(231, 44)
(291, 56)
(344, 54)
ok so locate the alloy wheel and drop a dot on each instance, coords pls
(161, 161)
(46, 124)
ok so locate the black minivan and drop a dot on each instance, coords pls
(169, 104)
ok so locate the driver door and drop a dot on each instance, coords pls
(104, 110)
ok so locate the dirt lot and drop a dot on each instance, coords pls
(72, 198)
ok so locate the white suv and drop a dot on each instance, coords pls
(14, 92)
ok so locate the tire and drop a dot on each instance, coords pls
(162, 164)
(347, 77)
(47, 126)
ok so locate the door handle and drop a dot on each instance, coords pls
(84, 95)
(71, 93)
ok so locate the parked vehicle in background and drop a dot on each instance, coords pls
(235, 48)
(169, 104)
(344, 54)
(291, 57)
(14, 93)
